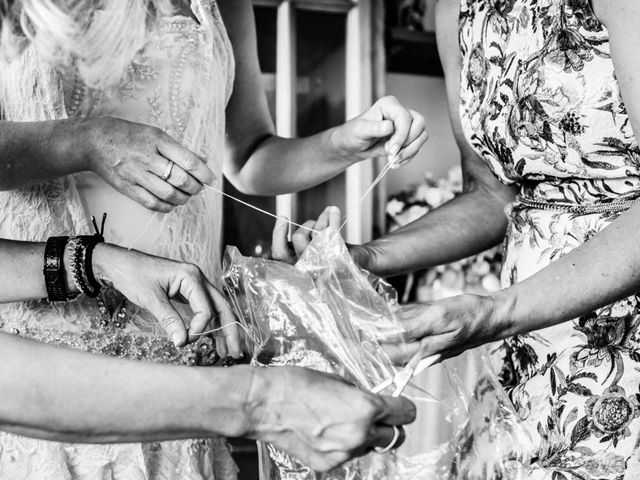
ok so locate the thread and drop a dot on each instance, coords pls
(388, 166)
(278, 217)
(143, 232)
(206, 332)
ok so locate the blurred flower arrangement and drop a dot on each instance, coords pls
(479, 274)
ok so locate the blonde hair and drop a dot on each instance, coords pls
(100, 37)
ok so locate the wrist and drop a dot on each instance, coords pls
(103, 259)
(263, 386)
(336, 147)
(233, 399)
(503, 313)
(71, 142)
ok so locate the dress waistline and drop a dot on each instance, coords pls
(614, 206)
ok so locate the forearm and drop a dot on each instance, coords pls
(25, 261)
(64, 395)
(469, 224)
(281, 165)
(33, 152)
(599, 272)
(22, 264)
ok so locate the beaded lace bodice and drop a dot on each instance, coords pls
(168, 85)
(180, 82)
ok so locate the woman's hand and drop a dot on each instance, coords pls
(320, 419)
(450, 326)
(151, 282)
(289, 252)
(133, 158)
(387, 128)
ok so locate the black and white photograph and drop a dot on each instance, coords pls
(319, 240)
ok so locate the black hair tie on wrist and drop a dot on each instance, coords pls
(93, 286)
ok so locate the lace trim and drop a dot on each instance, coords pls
(32, 459)
(115, 342)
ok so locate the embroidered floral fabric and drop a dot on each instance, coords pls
(540, 102)
(180, 82)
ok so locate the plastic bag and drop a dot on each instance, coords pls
(490, 442)
(327, 314)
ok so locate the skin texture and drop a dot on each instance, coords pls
(597, 273)
(72, 396)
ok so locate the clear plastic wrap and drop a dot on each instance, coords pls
(327, 314)
(490, 442)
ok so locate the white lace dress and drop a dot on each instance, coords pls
(181, 82)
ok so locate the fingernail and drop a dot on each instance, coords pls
(394, 148)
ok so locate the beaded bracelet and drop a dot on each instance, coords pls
(81, 253)
(80, 250)
(75, 248)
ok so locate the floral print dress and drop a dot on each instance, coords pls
(540, 103)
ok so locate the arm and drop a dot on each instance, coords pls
(597, 273)
(466, 225)
(46, 147)
(258, 162)
(605, 268)
(63, 395)
(145, 280)
(131, 157)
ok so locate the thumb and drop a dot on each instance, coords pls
(170, 319)
(372, 129)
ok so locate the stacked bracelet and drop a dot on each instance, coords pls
(80, 250)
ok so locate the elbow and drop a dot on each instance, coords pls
(247, 184)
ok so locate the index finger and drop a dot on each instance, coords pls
(396, 410)
(200, 303)
(186, 159)
(392, 109)
(228, 322)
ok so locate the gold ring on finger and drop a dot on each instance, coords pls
(167, 171)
